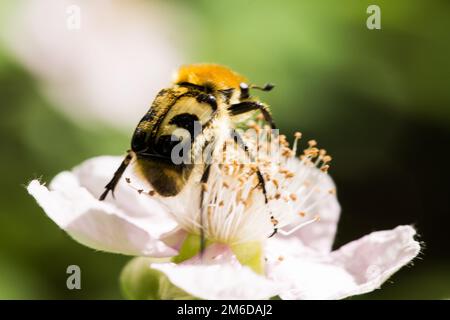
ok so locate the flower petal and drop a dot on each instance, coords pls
(356, 268)
(96, 224)
(95, 173)
(320, 234)
(218, 275)
(372, 259)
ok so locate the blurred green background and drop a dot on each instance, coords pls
(378, 100)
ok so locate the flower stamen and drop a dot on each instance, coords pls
(139, 190)
(304, 224)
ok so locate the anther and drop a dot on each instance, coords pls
(140, 191)
(275, 183)
(251, 123)
(312, 143)
(289, 175)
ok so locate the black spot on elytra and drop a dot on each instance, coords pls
(186, 121)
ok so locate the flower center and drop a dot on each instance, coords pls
(238, 207)
(235, 210)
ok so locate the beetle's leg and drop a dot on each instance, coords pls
(240, 142)
(117, 175)
(261, 182)
(203, 181)
(204, 184)
(247, 106)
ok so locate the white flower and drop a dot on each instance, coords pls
(241, 261)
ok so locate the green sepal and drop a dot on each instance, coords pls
(138, 281)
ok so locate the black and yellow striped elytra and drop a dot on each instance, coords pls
(205, 94)
(169, 122)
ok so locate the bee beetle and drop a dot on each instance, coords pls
(211, 95)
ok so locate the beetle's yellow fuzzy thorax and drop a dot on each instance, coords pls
(213, 75)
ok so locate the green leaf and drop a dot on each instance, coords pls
(139, 281)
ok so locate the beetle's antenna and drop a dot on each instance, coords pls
(267, 87)
(245, 94)
(245, 88)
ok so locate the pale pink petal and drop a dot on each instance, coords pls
(218, 276)
(372, 259)
(356, 268)
(307, 273)
(310, 280)
(280, 247)
(174, 238)
(93, 174)
(320, 234)
(99, 225)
